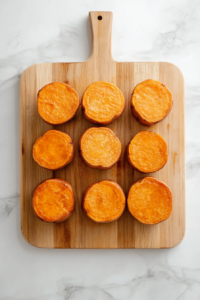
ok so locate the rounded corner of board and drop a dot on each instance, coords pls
(27, 70)
(28, 241)
(174, 67)
(177, 243)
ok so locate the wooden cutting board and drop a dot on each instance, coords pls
(79, 231)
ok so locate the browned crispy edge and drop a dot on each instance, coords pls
(161, 182)
(84, 196)
(133, 166)
(102, 123)
(98, 167)
(138, 116)
(71, 116)
(70, 158)
(69, 187)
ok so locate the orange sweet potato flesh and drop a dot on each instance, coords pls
(104, 201)
(100, 148)
(149, 201)
(102, 102)
(53, 150)
(147, 152)
(57, 103)
(53, 200)
(151, 102)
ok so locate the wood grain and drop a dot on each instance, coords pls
(79, 231)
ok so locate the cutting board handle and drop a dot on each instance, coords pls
(101, 27)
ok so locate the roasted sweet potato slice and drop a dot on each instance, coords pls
(53, 150)
(53, 200)
(100, 148)
(104, 201)
(57, 103)
(102, 102)
(147, 152)
(150, 200)
(151, 102)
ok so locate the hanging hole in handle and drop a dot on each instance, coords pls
(99, 18)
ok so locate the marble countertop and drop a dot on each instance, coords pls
(57, 31)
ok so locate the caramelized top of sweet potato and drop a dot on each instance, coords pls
(102, 102)
(104, 201)
(53, 200)
(53, 150)
(147, 152)
(99, 147)
(149, 200)
(57, 103)
(151, 102)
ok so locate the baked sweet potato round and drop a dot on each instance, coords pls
(149, 200)
(57, 103)
(53, 150)
(53, 200)
(151, 102)
(147, 152)
(100, 148)
(102, 102)
(104, 201)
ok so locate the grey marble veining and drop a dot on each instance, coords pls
(7, 205)
(58, 31)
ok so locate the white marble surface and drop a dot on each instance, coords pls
(58, 30)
